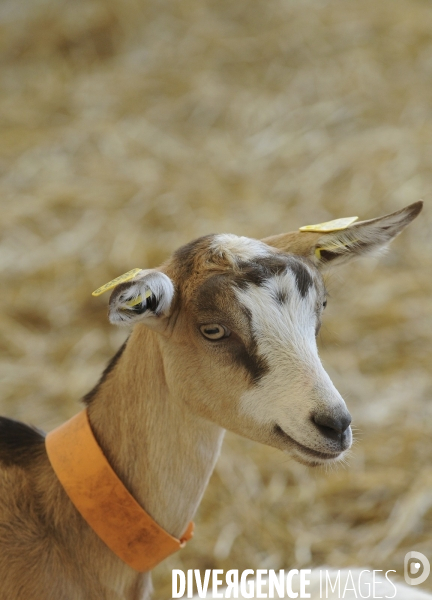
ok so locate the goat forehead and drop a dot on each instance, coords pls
(213, 253)
(285, 304)
(290, 295)
(285, 275)
(242, 261)
(274, 279)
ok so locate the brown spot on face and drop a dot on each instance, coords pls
(185, 257)
(260, 270)
(216, 303)
(303, 278)
(281, 296)
(249, 358)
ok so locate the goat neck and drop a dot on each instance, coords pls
(163, 452)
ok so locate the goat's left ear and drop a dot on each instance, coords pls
(338, 247)
(147, 299)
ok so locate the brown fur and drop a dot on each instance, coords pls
(159, 414)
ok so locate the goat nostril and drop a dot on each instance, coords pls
(330, 425)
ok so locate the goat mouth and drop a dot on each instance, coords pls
(322, 456)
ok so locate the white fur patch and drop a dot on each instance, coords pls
(296, 385)
(238, 247)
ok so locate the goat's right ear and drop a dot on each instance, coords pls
(146, 299)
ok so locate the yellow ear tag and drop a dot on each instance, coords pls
(329, 226)
(120, 279)
(138, 299)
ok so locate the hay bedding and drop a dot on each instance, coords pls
(129, 129)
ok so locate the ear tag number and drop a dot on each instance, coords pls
(329, 226)
(138, 299)
(120, 279)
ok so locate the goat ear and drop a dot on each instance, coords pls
(338, 247)
(146, 299)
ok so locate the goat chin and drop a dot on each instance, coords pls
(317, 591)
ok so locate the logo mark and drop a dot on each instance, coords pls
(416, 564)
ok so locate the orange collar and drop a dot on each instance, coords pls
(102, 499)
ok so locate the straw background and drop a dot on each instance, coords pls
(128, 128)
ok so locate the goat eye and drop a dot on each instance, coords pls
(214, 331)
(324, 303)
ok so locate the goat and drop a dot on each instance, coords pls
(224, 337)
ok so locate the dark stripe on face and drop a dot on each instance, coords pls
(281, 296)
(248, 358)
(216, 303)
(303, 278)
(256, 365)
(110, 367)
(260, 270)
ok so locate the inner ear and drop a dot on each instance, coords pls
(146, 298)
(139, 304)
(327, 255)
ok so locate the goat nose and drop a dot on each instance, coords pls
(332, 426)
